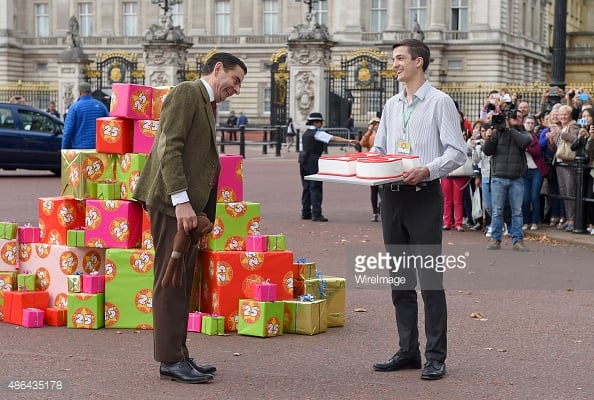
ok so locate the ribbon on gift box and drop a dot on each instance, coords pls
(322, 284)
(306, 297)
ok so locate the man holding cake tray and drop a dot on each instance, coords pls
(421, 121)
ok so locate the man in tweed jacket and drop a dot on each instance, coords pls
(179, 181)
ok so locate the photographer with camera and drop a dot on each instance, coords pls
(506, 143)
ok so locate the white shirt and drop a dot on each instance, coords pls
(433, 130)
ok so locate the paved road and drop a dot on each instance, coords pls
(534, 340)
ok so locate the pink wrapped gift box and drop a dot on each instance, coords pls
(195, 321)
(52, 264)
(230, 184)
(28, 234)
(131, 101)
(113, 224)
(32, 318)
(144, 135)
(93, 283)
(265, 291)
(256, 243)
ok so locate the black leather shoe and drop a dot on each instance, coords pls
(183, 371)
(433, 370)
(398, 362)
(321, 218)
(306, 217)
(202, 368)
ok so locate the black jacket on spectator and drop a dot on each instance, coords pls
(508, 148)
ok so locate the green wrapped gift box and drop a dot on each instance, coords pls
(86, 311)
(129, 276)
(213, 325)
(260, 318)
(277, 242)
(8, 230)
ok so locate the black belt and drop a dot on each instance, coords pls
(401, 187)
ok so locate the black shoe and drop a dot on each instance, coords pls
(306, 217)
(321, 218)
(202, 368)
(433, 370)
(183, 371)
(397, 362)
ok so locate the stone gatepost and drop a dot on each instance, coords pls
(71, 68)
(309, 56)
(165, 53)
(163, 60)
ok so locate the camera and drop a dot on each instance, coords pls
(498, 121)
(582, 122)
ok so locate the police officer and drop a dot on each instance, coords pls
(314, 139)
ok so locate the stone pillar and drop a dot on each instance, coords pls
(395, 16)
(71, 69)
(163, 59)
(438, 16)
(309, 55)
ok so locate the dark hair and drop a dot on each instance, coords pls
(229, 62)
(416, 48)
(589, 111)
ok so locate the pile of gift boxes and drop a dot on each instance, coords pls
(88, 263)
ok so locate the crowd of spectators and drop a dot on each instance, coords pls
(565, 120)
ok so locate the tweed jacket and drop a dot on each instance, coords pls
(184, 155)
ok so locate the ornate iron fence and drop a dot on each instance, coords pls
(36, 94)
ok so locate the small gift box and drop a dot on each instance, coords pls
(55, 316)
(32, 318)
(93, 283)
(26, 282)
(305, 316)
(195, 321)
(75, 284)
(29, 234)
(75, 238)
(213, 325)
(108, 190)
(8, 230)
(264, 291)
(277, 243)
(303, 270)
(256, 243)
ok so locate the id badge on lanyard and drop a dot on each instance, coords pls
(403, 144)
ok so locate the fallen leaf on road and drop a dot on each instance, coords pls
(487, 348)
(476, 315)
(360, 310)
(236, 354)
(502, 350)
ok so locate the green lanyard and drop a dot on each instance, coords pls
(406, 118)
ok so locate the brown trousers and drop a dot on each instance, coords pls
(171, 305)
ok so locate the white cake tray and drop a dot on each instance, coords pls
(353, 180)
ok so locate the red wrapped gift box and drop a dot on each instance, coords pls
(16, 302)
(55, 316)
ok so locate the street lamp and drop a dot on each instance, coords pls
(309, 4)
(165, 5)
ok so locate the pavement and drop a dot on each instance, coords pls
(519, 324)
